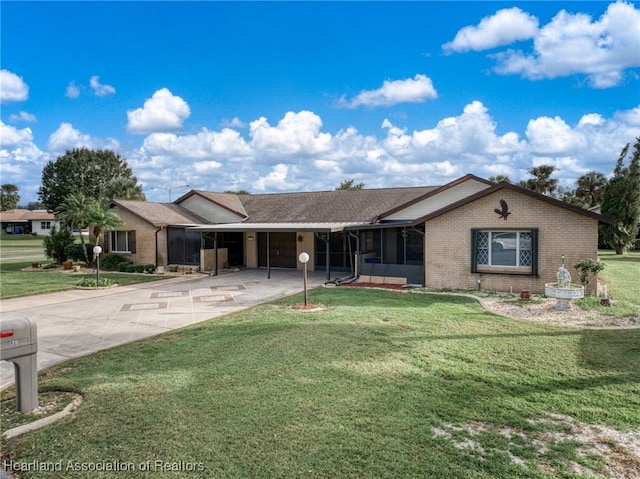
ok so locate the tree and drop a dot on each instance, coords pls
(239, 192)
(350, 185)
(569, 196)
(542, 183)
(9, 196)
(35, 205)
(500, 179)
(621, 202)
(74, 212)
(590, 187)
(55, 245)
(91, 172)
(102, 219)
(123, 189)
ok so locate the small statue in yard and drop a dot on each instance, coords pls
(564, 278)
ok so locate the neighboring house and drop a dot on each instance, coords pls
(467, 234)
(23, 222)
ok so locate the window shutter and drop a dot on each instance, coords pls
(474, 250)
(107, 242)
(132, 241)
(534, 251)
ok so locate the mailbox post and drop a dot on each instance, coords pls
(19, 345)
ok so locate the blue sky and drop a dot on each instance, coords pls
(291, 96)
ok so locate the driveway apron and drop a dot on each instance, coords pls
(79, 322)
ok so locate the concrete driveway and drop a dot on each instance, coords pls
(79, 322)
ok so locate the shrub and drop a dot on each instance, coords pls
(150, 268)
(74, 252)
(586, 267)
(122, 267)
(56, 243)
(91, 282)
(110, 261)
(131, 268)
(139, 268)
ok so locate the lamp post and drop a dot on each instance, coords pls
(304, 258)
(96, 251)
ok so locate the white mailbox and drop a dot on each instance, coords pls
(19, 345)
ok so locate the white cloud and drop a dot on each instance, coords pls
(297, 154)
(12, 87)
(226, 143)
(275, 180)
(411, 90)
(296, 134)
(98, 88)
(162, 112)
(66, 137)
(574, 44)
(22, 116)
(503, 28)
(72, 90)
(552, 135)
(10, 136)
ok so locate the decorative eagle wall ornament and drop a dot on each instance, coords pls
(503, 211)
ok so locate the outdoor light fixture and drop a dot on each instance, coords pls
(304, 258)
(96, 251)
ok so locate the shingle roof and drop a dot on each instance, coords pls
(230, 201)
(160, 214)
(327, 206)
(25, 215)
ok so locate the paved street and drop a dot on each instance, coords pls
(79, 322)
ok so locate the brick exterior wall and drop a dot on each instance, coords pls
(145, 239)
(448, 242)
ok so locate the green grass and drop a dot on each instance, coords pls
(621, 275)
(12, 246)
(20, 251)
(359, 389)
(16, 283)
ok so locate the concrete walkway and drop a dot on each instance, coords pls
(79, 322)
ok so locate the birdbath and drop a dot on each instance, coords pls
(563, 290)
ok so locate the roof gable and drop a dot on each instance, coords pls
(159, 214)
(227, 201)
(438, 198)
(518, 189)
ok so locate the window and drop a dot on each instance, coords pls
(122, 241)
(504, 249)
(45, 225)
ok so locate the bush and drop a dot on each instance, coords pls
(56, 243)
(139, 268)
(150, 268)
(131, 268)
(586, 267)
(74, 252)
(91, 282)
(122, 267)
(111, 261)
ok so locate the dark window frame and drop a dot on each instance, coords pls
(496, 269)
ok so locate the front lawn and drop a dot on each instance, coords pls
(379, 384)
(15, 283)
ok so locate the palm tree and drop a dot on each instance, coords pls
(74, 212)
(500, 179)
(542, 183)
(590, 188)
(103, 219)
(123, 189)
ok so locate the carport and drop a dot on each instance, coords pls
(276, 244)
